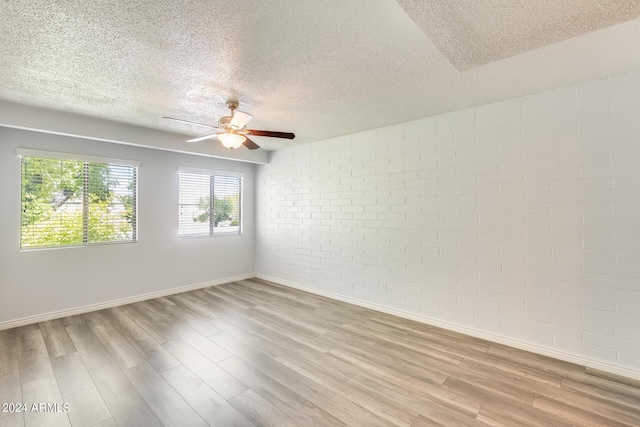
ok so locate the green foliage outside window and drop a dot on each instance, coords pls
(222, 209)
(57, 212)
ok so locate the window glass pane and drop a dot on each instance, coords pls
(227, 204)
(194, 201)
(111, 203)
(52, 193)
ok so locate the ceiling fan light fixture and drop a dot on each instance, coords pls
(231, 140)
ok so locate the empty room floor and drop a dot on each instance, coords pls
(256, 353)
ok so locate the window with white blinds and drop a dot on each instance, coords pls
(210, 204)
(74, 201)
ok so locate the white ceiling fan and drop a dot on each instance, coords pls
(231, 130)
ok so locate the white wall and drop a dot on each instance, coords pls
(38, 282)
(519, 219)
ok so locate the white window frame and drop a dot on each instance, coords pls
(214, 172)
(26, 152)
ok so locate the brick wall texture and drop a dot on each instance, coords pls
(520, 218)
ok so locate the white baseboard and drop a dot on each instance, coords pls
(556, 354)
(114, 303)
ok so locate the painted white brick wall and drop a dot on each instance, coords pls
(520, 218)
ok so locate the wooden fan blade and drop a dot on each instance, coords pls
(202, 138)
(189, 122)
(250, 144)
(285, 135)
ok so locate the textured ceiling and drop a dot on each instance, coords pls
(476, 33)
(319, 69)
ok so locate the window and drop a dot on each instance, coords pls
(72, 200)
(210, 204)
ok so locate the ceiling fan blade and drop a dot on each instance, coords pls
(240, 119)
(189, 122)
(202, 138)
(285, 135)
(250, 144)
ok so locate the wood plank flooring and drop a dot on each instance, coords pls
(256, 353)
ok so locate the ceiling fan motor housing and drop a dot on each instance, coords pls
(224, 121)
(232, 105)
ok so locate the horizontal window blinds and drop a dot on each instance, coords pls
(75, 202)
(209, 204)
(111, 203)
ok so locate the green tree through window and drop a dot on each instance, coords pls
(222, 209)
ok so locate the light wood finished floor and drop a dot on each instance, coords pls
(256, 353)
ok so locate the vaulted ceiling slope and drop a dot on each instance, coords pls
(319, 69)
(470, 34)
